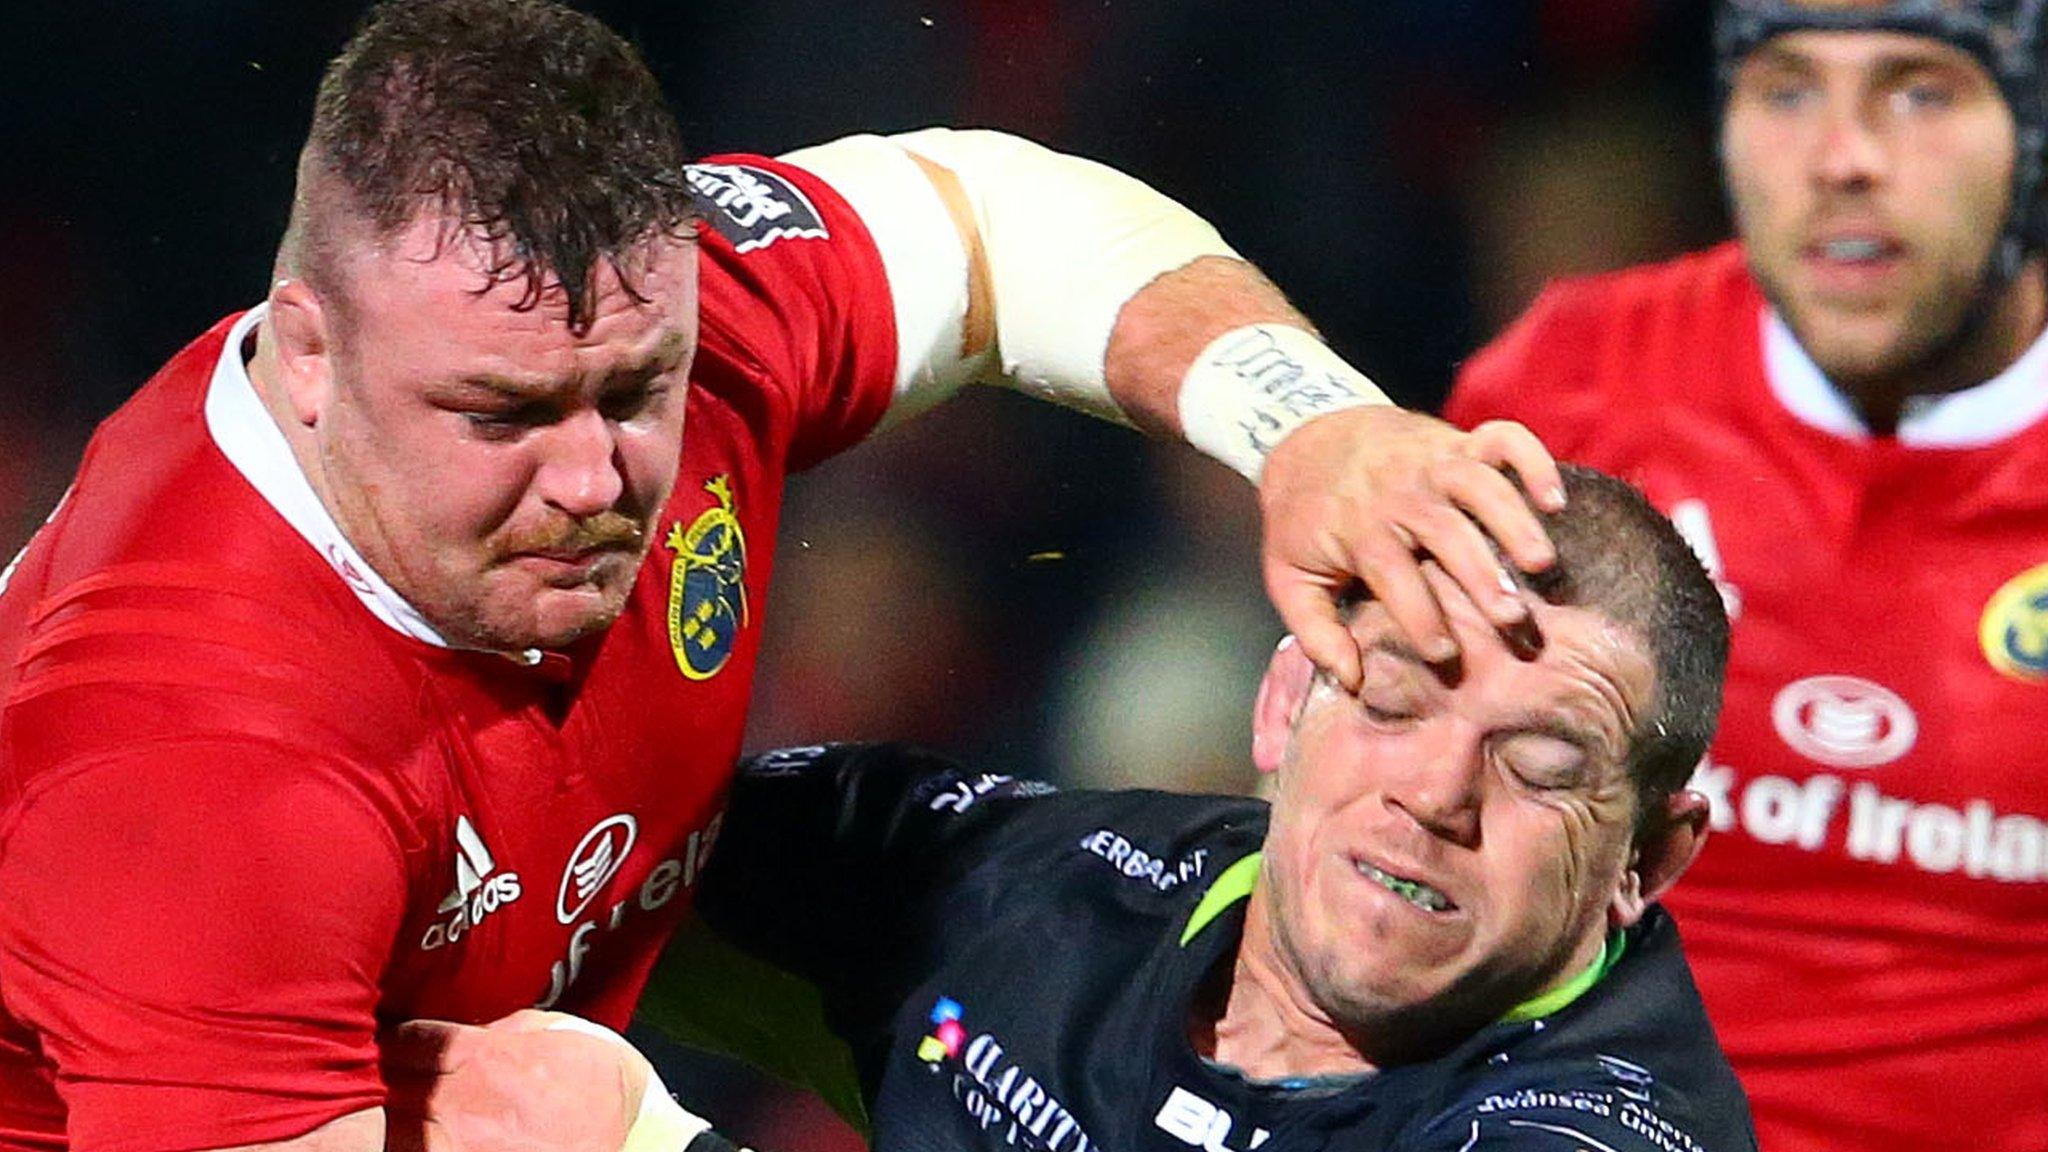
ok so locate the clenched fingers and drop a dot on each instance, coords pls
(1367, 494)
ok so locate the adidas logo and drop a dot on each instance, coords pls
(477, 892)
(472, 863)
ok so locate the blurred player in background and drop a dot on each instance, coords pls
(390, 654)
(1844, 411)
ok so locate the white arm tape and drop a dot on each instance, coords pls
(662, 1124)
(1068, 243)
(1251, 386)
(922, 256)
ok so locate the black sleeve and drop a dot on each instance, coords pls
(842, 865)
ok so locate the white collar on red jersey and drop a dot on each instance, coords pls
(243, 430)
(1985, 414)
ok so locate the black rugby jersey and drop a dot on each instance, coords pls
(1012, 967)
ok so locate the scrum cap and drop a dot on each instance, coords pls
(2005, 36)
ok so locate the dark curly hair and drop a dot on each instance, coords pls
(520, 122)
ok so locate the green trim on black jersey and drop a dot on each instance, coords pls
(1233, 885)
(1537, 1007)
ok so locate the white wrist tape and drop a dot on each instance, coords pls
(1252, 386)
(662, 1124)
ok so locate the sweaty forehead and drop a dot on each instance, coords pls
(431, 264)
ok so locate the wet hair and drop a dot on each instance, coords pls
(521, 123)
(1618, 557)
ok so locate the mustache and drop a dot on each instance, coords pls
(606, 530)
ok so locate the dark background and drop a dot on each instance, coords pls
(999, 579)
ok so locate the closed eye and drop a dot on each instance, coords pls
(507, 423)
(1387, 717)
(1544, 762)
(628, 403)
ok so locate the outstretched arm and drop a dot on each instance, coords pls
(1072, 282)
(1349, 489)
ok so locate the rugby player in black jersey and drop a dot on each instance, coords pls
(1443, 935)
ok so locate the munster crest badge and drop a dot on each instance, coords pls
(2014, 628)
(707, 594)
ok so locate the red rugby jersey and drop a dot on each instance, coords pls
(1869, 924)
(247, 815)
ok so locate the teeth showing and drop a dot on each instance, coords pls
(1413, 891)
(1856, 249)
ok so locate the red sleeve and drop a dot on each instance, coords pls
(1543, 371)
(794, 296)
(195, 932)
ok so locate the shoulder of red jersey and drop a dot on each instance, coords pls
(1589, 343)
(169, 648)
(165, 599)
(798, 328)
(184, 679)
(176, 663)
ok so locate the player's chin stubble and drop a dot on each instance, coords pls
(511, 612)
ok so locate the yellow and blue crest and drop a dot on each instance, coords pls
(707, 592)
(2014, 629)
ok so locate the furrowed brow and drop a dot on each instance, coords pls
(1589, 739)
(665, 356)
(501, 390)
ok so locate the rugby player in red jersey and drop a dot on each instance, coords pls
(389, 656)
(1844, 410)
